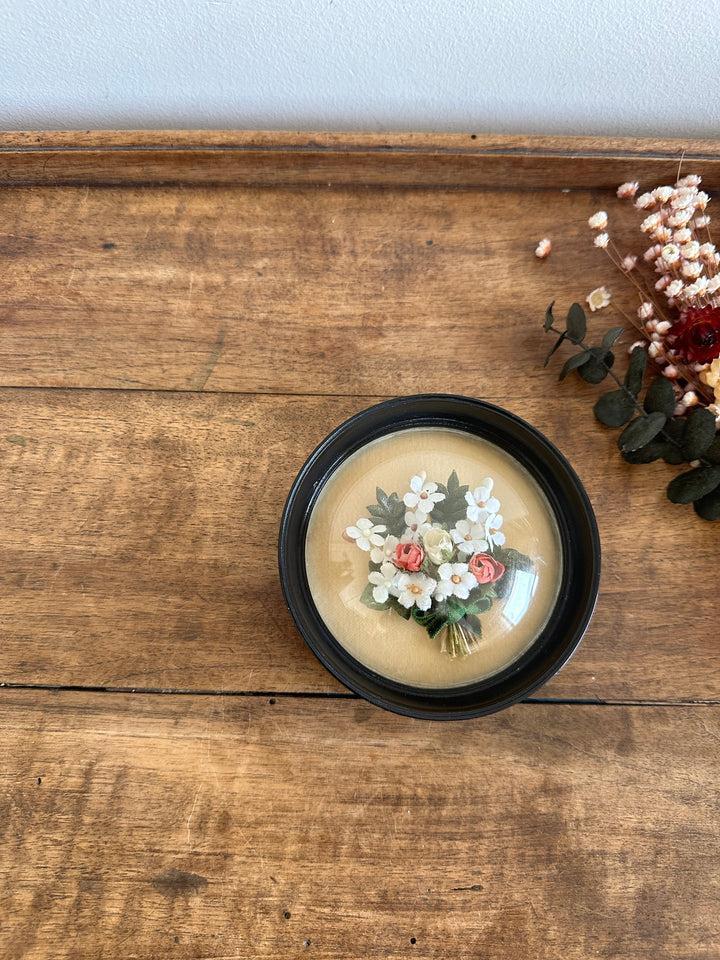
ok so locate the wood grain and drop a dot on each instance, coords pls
(194, 827)
(140, 531)
(398, 159)
(365, 291)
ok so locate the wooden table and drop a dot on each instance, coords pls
(184, 316)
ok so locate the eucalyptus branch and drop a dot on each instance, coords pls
(651, 430)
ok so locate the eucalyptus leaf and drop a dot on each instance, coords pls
(597, 368)
(636, 370)
(640, 431)
(694, 484)
(576, 323)
(712, 454)
(614, 409)
(549, 318)
(572, 363)
(612, 336)
(652, 451)
(699, 433)
(660, 397)
(554, 347)
(708, 507)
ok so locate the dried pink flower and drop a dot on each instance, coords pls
(629, 262)
(543, 248)
(626, 191)
(645, 310)
(599, 220)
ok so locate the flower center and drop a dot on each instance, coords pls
(468, 536)
(415, 589)
(455, 578)
(423, 495)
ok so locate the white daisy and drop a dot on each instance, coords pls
(469, 537)
(415, 590)
(422, 496)
(366, 534)
(385, 551)
(480, 502)
(493, 534)
(385, 582)
(455, 581)
(418, 524)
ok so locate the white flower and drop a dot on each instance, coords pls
(494, 536)
(418, 524)
(670, 253)
(438, 545)
(651, 222)
(599, 220)
(601, 240)
(645, 201)
(480, 502)
(645, 310)
(663, 194)
(679, 218)
(385, 550)
(690, 250)
(366, 534)
(543, 248)
(682, 235)
(455, 581)
(385, 582)
(415, 590)
(469, 537)
(626, 191)
(422, 496)
(598, 298)
(691, 269)
(674, 288)
(691, 180)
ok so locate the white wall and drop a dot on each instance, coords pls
(624, 67)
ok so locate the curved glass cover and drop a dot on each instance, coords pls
(433, 557)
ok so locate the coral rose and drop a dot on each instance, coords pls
(485, 569)
(408, 556)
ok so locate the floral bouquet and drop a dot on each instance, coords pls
(437, 555)
(678, 319)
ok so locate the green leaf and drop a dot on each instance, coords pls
(572, 363)
(660, 397)
(712, 454)
(654, 450)
(636, 370)
(549, 318)
(595, 371)
(694, 484)
(640, 431)
(554, 348)
(389, 511)
(612, 335)
(708, 507)
(614, 409)
(454, 506)
(675, 430)
(699, 433)
(576, 323)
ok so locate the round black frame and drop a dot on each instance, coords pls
(579, 543)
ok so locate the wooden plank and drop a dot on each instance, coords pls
(408, 159)
(242, 828)
(139, 538)
(288, 290)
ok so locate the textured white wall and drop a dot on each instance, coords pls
(625, 67)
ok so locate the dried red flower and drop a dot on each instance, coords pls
(698, 334)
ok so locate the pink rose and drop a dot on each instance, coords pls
(408, 556)
(485, 569)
